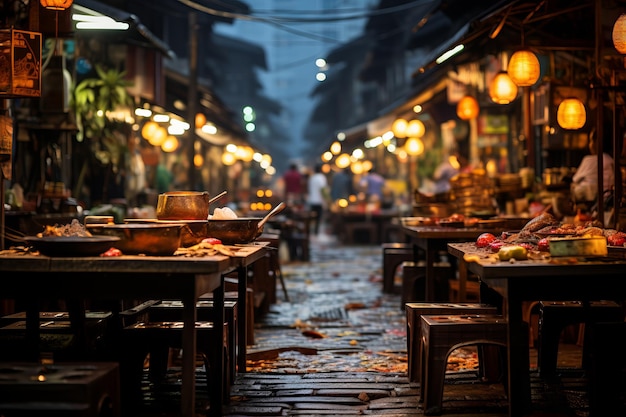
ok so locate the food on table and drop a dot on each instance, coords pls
(616, 238)
(544, 245)
(539, 222)
(223, 213)
(517, 252)
(485, 239)
(75, 228)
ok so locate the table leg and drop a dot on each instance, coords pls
(462, 268)
(431, 256)
(242, 288)
(518, 361)
(188, 393)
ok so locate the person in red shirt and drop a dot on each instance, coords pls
(293, 185)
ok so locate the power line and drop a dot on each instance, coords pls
(291, 19)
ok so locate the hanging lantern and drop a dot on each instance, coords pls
(335, 148)
(571, 114)
(228, 158)
(414, 146)
(170, 144)
(56, 4)
(619, 34)
(467, 108)
(415, 129)
(200, 120)
(398, 128)
(343, 161)
(502, 89)
(524, 68)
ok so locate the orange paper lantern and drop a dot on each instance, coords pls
(502, 89)
(524, 68)
(571, 114)
(56, 4)
(467, 108)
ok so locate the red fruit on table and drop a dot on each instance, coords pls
(543, 245)
(496, 245)
(485, 239)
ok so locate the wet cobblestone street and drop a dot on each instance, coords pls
(339, 348)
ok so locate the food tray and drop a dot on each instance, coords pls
(579, 246)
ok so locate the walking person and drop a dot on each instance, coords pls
(294, 186)
(318, 187)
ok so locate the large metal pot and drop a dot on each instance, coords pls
(157, 239)
(183, 205)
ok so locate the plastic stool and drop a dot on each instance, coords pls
(443, 334)
(554, 316)
(414, 332)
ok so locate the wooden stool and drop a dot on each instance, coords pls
(414, 284)
(554, 316)
(156, 339)
(607, 370)
(58, 336)
(168, 310)
(70, 389)
(393, 256)
(351, 228)
(472, 290)
(443, 334)
(414, 331)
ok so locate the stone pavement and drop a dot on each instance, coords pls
(339, 348)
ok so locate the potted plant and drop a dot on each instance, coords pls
(100, 105)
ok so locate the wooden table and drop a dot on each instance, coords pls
(32, 279)
(531, 280)
(434, 239)
(379, 220)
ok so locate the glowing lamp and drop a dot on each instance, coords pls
(56, 4)
(571, 114)
(200, 120)
(467, 108)
(414, 146)
(415, 129)
(619, 34)
(524, 68)
(399, 128)
(502, 89)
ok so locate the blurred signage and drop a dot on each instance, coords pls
(20, 63)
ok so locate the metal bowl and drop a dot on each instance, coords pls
(235, 231)
(183, 205)
(157, 239)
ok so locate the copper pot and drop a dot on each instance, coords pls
(183, 205)
(142, 238)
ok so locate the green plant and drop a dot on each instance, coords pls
(100, 106)
(96, 101)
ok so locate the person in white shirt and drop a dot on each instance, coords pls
(317, 186)
(584, 185)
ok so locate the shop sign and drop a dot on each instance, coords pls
(20, 63)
